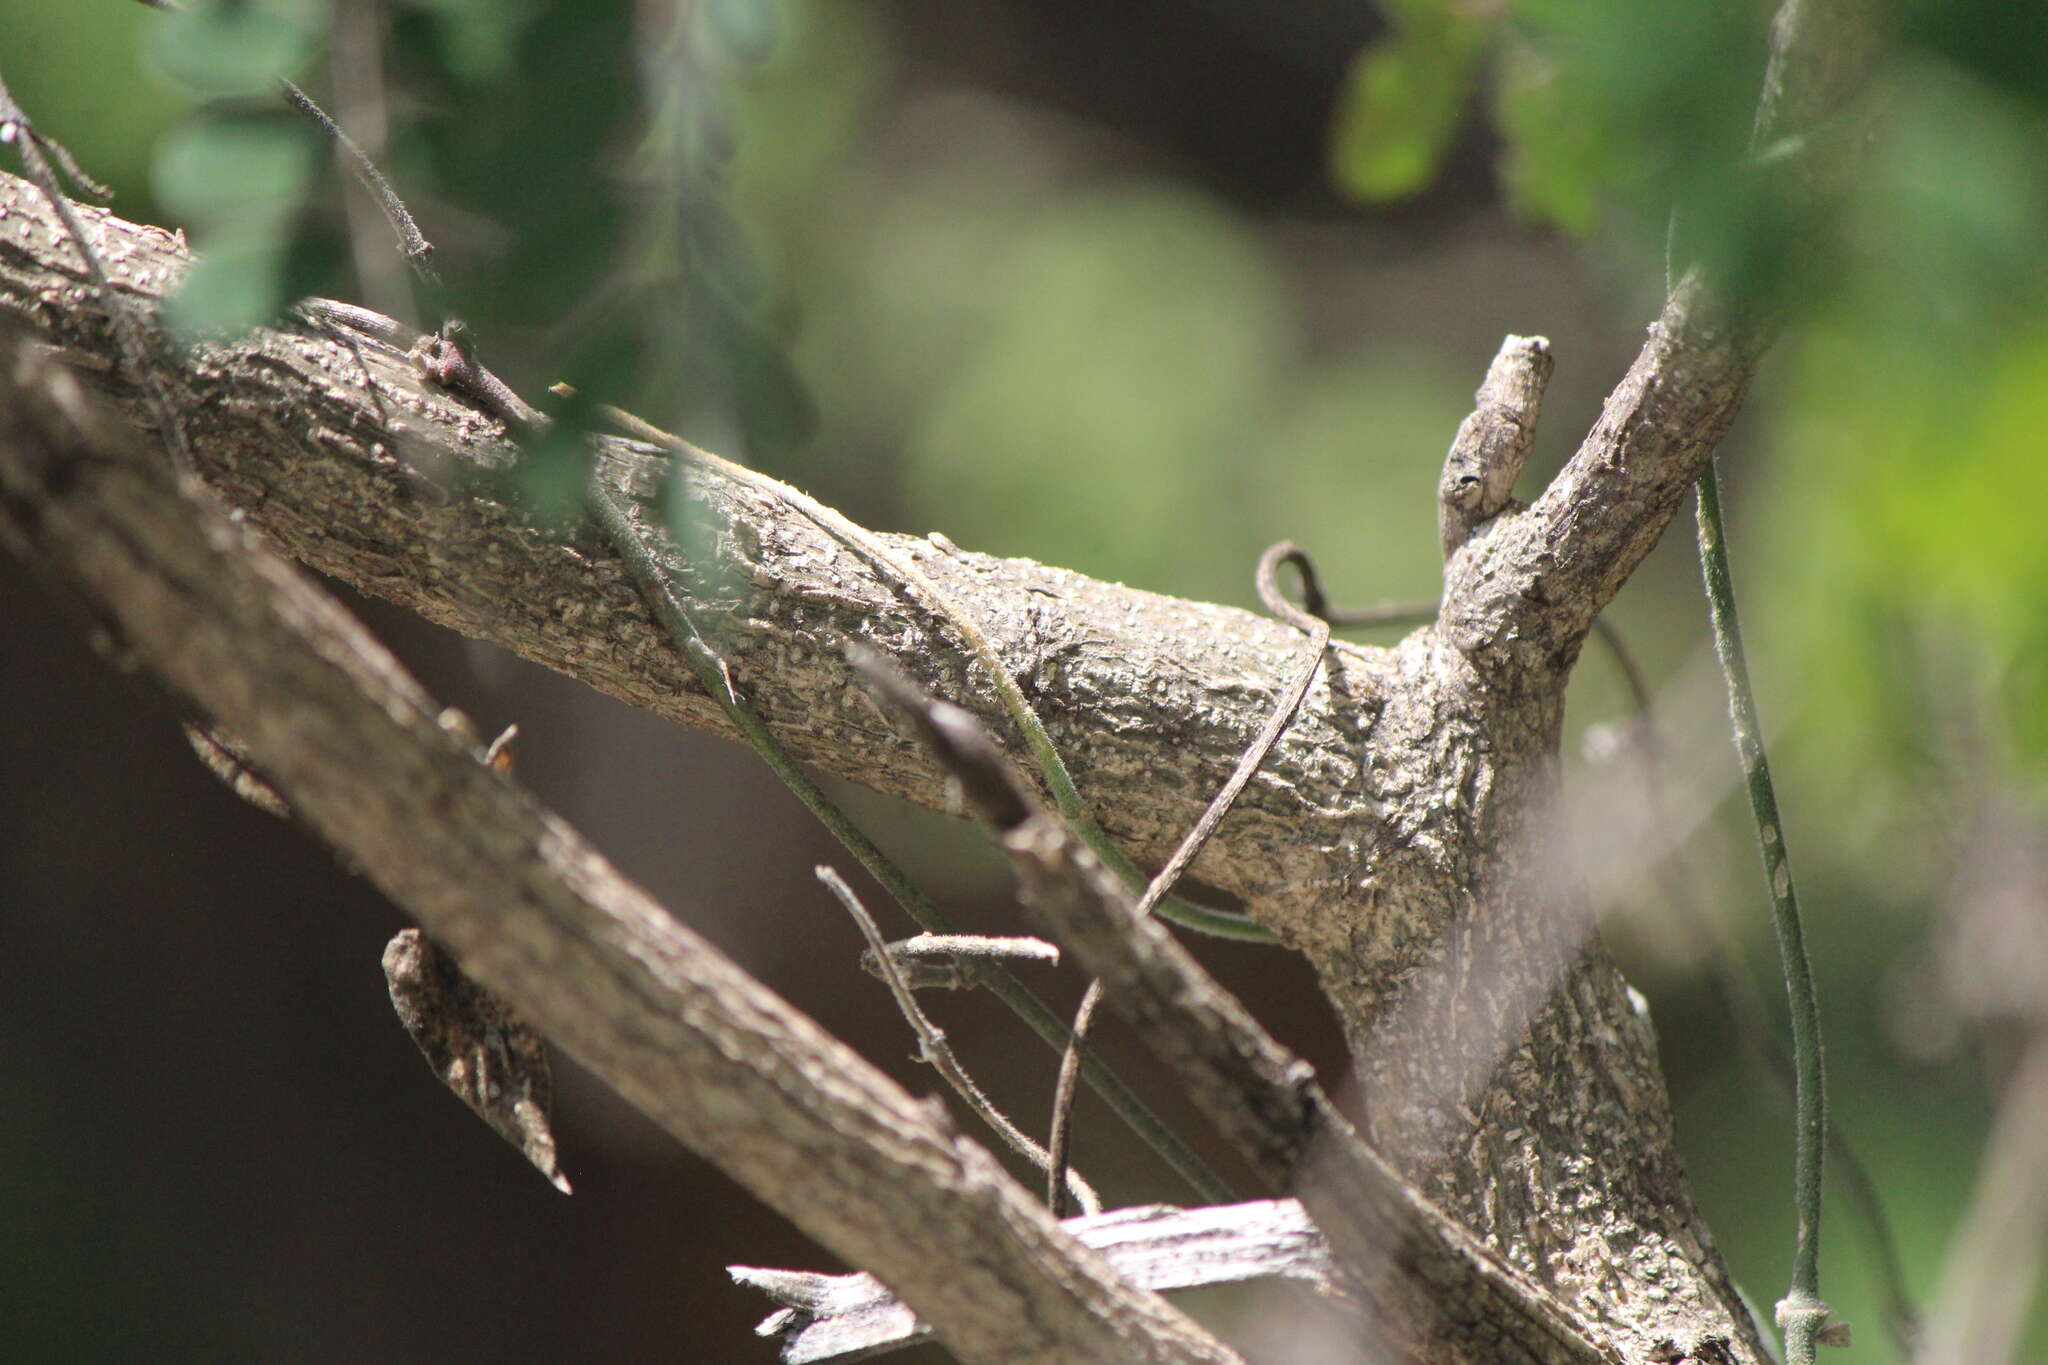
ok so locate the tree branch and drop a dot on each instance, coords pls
(1493, 443)
(1522, 595)
(334, 446)
(538, 916)
(1401, 833)
(1437, 1294)
(1396, 834)
(1524, 598)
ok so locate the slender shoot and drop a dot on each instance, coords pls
(1801, 1313)
(1318, 630)
(933, 1048)
(647, 572)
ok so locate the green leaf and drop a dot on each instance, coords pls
(238, 282)
(1400, 108)
(238, 47)
(1556, 160)
(236, 170)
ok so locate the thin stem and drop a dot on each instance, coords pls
(412, 244)
(933, 1048)
(1318, 631)
(1802, 1314)
(1745, 1010)
(1738, 999)
(1410, 613)
(1061, 1138)
(1044, 754)
(1036, 1014)
(1414, 613)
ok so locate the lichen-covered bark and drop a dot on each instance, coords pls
(1397, 835)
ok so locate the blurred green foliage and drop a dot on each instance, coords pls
(1404, 100)
(1915, 403)
(527, 156)
(1914, 393)
(225, 48)
(1137, 292)
(67, 63)
(1647, 106)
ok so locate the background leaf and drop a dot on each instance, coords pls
(1401, 107)
(238, 47)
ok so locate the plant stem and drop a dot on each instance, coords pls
(1044, 755)
(933, 1049)
(647, 573)
(1801, 1314)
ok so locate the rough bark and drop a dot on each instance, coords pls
(1397, 835)
(538, 915)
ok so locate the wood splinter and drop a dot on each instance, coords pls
(1156, 1246)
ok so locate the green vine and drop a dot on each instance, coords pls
(1801, 1314)
(617, 525)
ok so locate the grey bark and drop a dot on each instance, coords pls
(537, 915)
(1398, 836)
(1493, 443)
(1435, 1295)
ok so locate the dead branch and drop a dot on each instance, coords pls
(1154, 1246)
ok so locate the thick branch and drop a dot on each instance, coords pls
(538, 916)
(1438, 1294)
(1435, 1291)
(1394, 834)
(1524, 597)
(1524, 591)
(335, 448)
